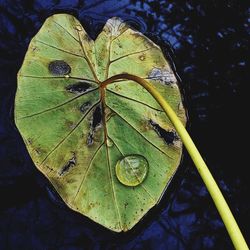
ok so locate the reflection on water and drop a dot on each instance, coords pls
(209, 46)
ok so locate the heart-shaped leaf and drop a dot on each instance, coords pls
(109, 152)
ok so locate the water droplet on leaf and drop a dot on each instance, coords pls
(131, 170)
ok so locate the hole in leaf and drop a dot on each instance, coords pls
(79, 87)
(168, 136)
(59, 67)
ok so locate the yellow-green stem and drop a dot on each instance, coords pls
(222, 207)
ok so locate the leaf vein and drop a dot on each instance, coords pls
(60, 77)
(134, 100)
(87, 170)
(65, 51)
(66, 30)
(113, 186)
(87, 59)
(58, 106)
(130, 54)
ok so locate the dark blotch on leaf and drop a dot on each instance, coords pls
(97, 117)
(168, 136)
(68, 165)
(59, 67)
(90, 138)
(96, 121)
(85, 106)
(79, 87)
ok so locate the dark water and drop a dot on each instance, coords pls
(210, 45)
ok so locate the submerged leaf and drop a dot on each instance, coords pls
(102, 149)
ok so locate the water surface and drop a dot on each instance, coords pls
(209, 44)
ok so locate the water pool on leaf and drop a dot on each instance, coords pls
(131, 170)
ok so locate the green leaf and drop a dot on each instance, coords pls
(109, 152)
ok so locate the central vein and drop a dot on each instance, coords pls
(104, 108)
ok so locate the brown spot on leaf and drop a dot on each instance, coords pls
(144, 125)
(48, 167)
(29, 141)
(125, 205)
(69, 124)
(142, 57)
(37, 151)
(78, 27)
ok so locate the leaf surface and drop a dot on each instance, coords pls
(76, 134)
